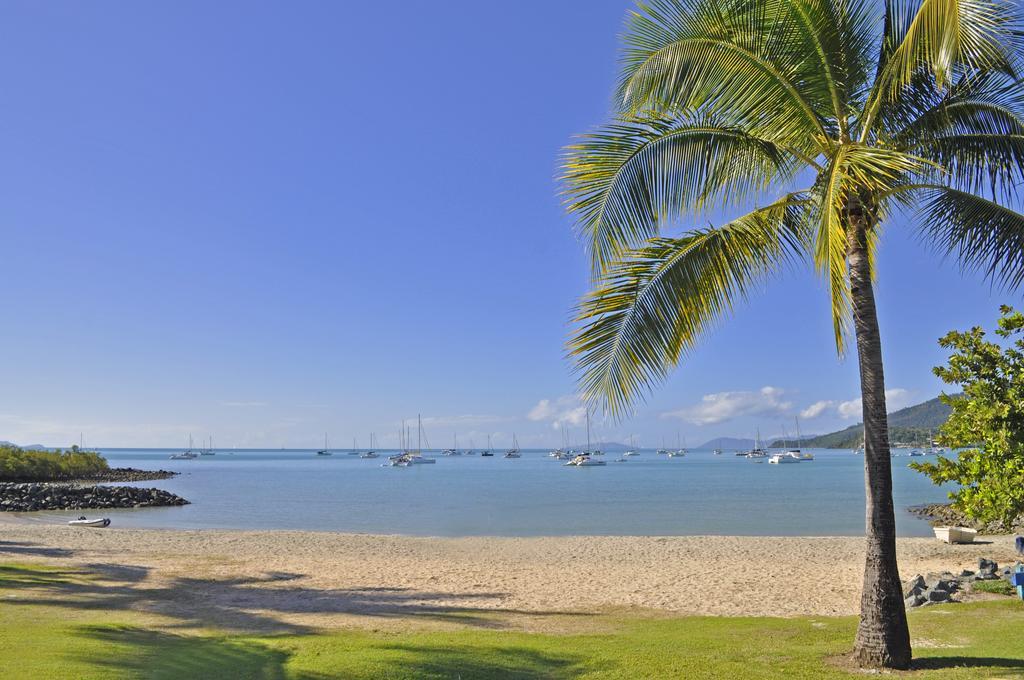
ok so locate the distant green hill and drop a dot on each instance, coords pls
(914, 425)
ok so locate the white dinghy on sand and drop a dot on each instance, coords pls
(98, 523)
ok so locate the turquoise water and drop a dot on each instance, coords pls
(531, 496)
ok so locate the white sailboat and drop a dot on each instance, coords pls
(757, 451)
(632, 452)
(188, 454)
(680, 451)
(585, 459)
(514, 451)
(802, 455)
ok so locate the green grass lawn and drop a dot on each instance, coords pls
(46, 632)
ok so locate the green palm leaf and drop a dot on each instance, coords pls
(625, 180)
(982, 235)
(658, 300)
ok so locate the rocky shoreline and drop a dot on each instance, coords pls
(125, 475)
(34, 496)
(943, 514)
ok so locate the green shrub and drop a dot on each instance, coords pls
(999, 587)
(19, 465)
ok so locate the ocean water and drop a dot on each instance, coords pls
(531, 496)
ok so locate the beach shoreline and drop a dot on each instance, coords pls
(326, 579)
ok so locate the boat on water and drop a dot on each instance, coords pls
(717, 452)
(796, 452)
(324, 451)
(187, 454)
(97, 523)
(370, 453)
(585, 459)
(409, 457)
(680, 451)
(758, 451)
(454, 451)
(514, 451)
(783, 459)
(632, 450)
(486, 453)
(208, 451)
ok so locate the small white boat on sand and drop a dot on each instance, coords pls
(955, 534)
(98, 523)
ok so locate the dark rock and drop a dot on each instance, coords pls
(914, 586)
(31, 497)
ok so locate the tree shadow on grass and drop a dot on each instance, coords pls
(164, 656)
(932, 663)
(459, 661)
(259, 604)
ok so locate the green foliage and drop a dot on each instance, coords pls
(20, 465)
(989, 416)
(802, 122)
(997, 587)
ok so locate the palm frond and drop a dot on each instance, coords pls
(728, 58)
(934, 44)
(945, 36)
(982, 235)
(625, 180)
(658, 300)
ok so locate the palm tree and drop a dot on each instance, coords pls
(821, 118)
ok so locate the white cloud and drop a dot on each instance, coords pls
(567, 410)
(895, 399)
(722, 406)
(816, 409)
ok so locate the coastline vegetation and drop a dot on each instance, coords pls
(23, 465)
(986, 417)
(67, 637)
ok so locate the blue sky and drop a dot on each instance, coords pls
(263, 221)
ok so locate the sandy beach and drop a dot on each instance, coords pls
(286, 580)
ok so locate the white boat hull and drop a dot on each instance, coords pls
(955, 534)
(98, 523)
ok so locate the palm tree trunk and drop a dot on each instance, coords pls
(883, 638)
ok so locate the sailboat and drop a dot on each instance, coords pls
(454, 451)
(631, 452)
(796, 452)
(757, 451)
(486, 453)
(355, 449)
(324, 451)
(188, 454)
(663, 451)
(584, 459)
(560, 452)
(370, 453)
(680, 451)
(514, 451)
